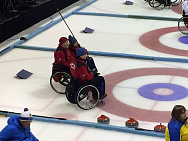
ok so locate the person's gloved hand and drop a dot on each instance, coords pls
(88, 61)
(95, 73)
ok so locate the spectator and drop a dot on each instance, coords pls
(177, 128)
(18, 128)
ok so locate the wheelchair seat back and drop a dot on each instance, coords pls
(71, 90)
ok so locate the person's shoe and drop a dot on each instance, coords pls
(103, 96)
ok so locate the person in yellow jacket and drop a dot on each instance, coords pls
(177, 128)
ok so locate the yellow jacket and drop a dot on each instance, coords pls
(176, 131)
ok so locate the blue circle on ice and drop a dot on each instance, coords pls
(177, 92)
(183, 39)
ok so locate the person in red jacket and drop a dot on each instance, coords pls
(62, 56)
(85, 75)
(74, 45)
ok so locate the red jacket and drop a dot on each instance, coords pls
(63, 56)
(82, 71)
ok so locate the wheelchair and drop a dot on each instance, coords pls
(183, 25)
(176, 2)
(160, 4)
(59, 80)
(86, 96)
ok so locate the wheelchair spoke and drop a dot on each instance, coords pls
(59, 80)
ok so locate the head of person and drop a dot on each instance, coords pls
(81, 52)
(63, 42)
(25, 118)
(179, 112)
(73, 41)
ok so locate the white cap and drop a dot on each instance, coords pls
(25, 115)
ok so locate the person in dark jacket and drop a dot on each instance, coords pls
(18, 128)
(74, 45)
(62, 56)
(85, 75)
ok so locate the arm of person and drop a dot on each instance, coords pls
(84, 75)
(62, 59)
(33, 137)
(7, 133)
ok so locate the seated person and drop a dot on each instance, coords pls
(74, 45)
(185, 12)
(62, 57)
(85, 75)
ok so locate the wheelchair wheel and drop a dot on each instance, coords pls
(176, 2)
(154, 3)
(87, 97)
(182, 26)
(58, 80)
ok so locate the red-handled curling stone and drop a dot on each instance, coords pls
(103, 119)
(160, 128)
(131, 123)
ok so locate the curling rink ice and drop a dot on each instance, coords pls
(137, 85)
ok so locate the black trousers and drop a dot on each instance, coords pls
(99, 82)
(185, 19)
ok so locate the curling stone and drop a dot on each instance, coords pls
(160, 128)
(103, 119)
(131, 123)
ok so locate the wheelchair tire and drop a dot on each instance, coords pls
(176, 2)
(154, 3)
(182, 27)
(87, 97)
(59, 80)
